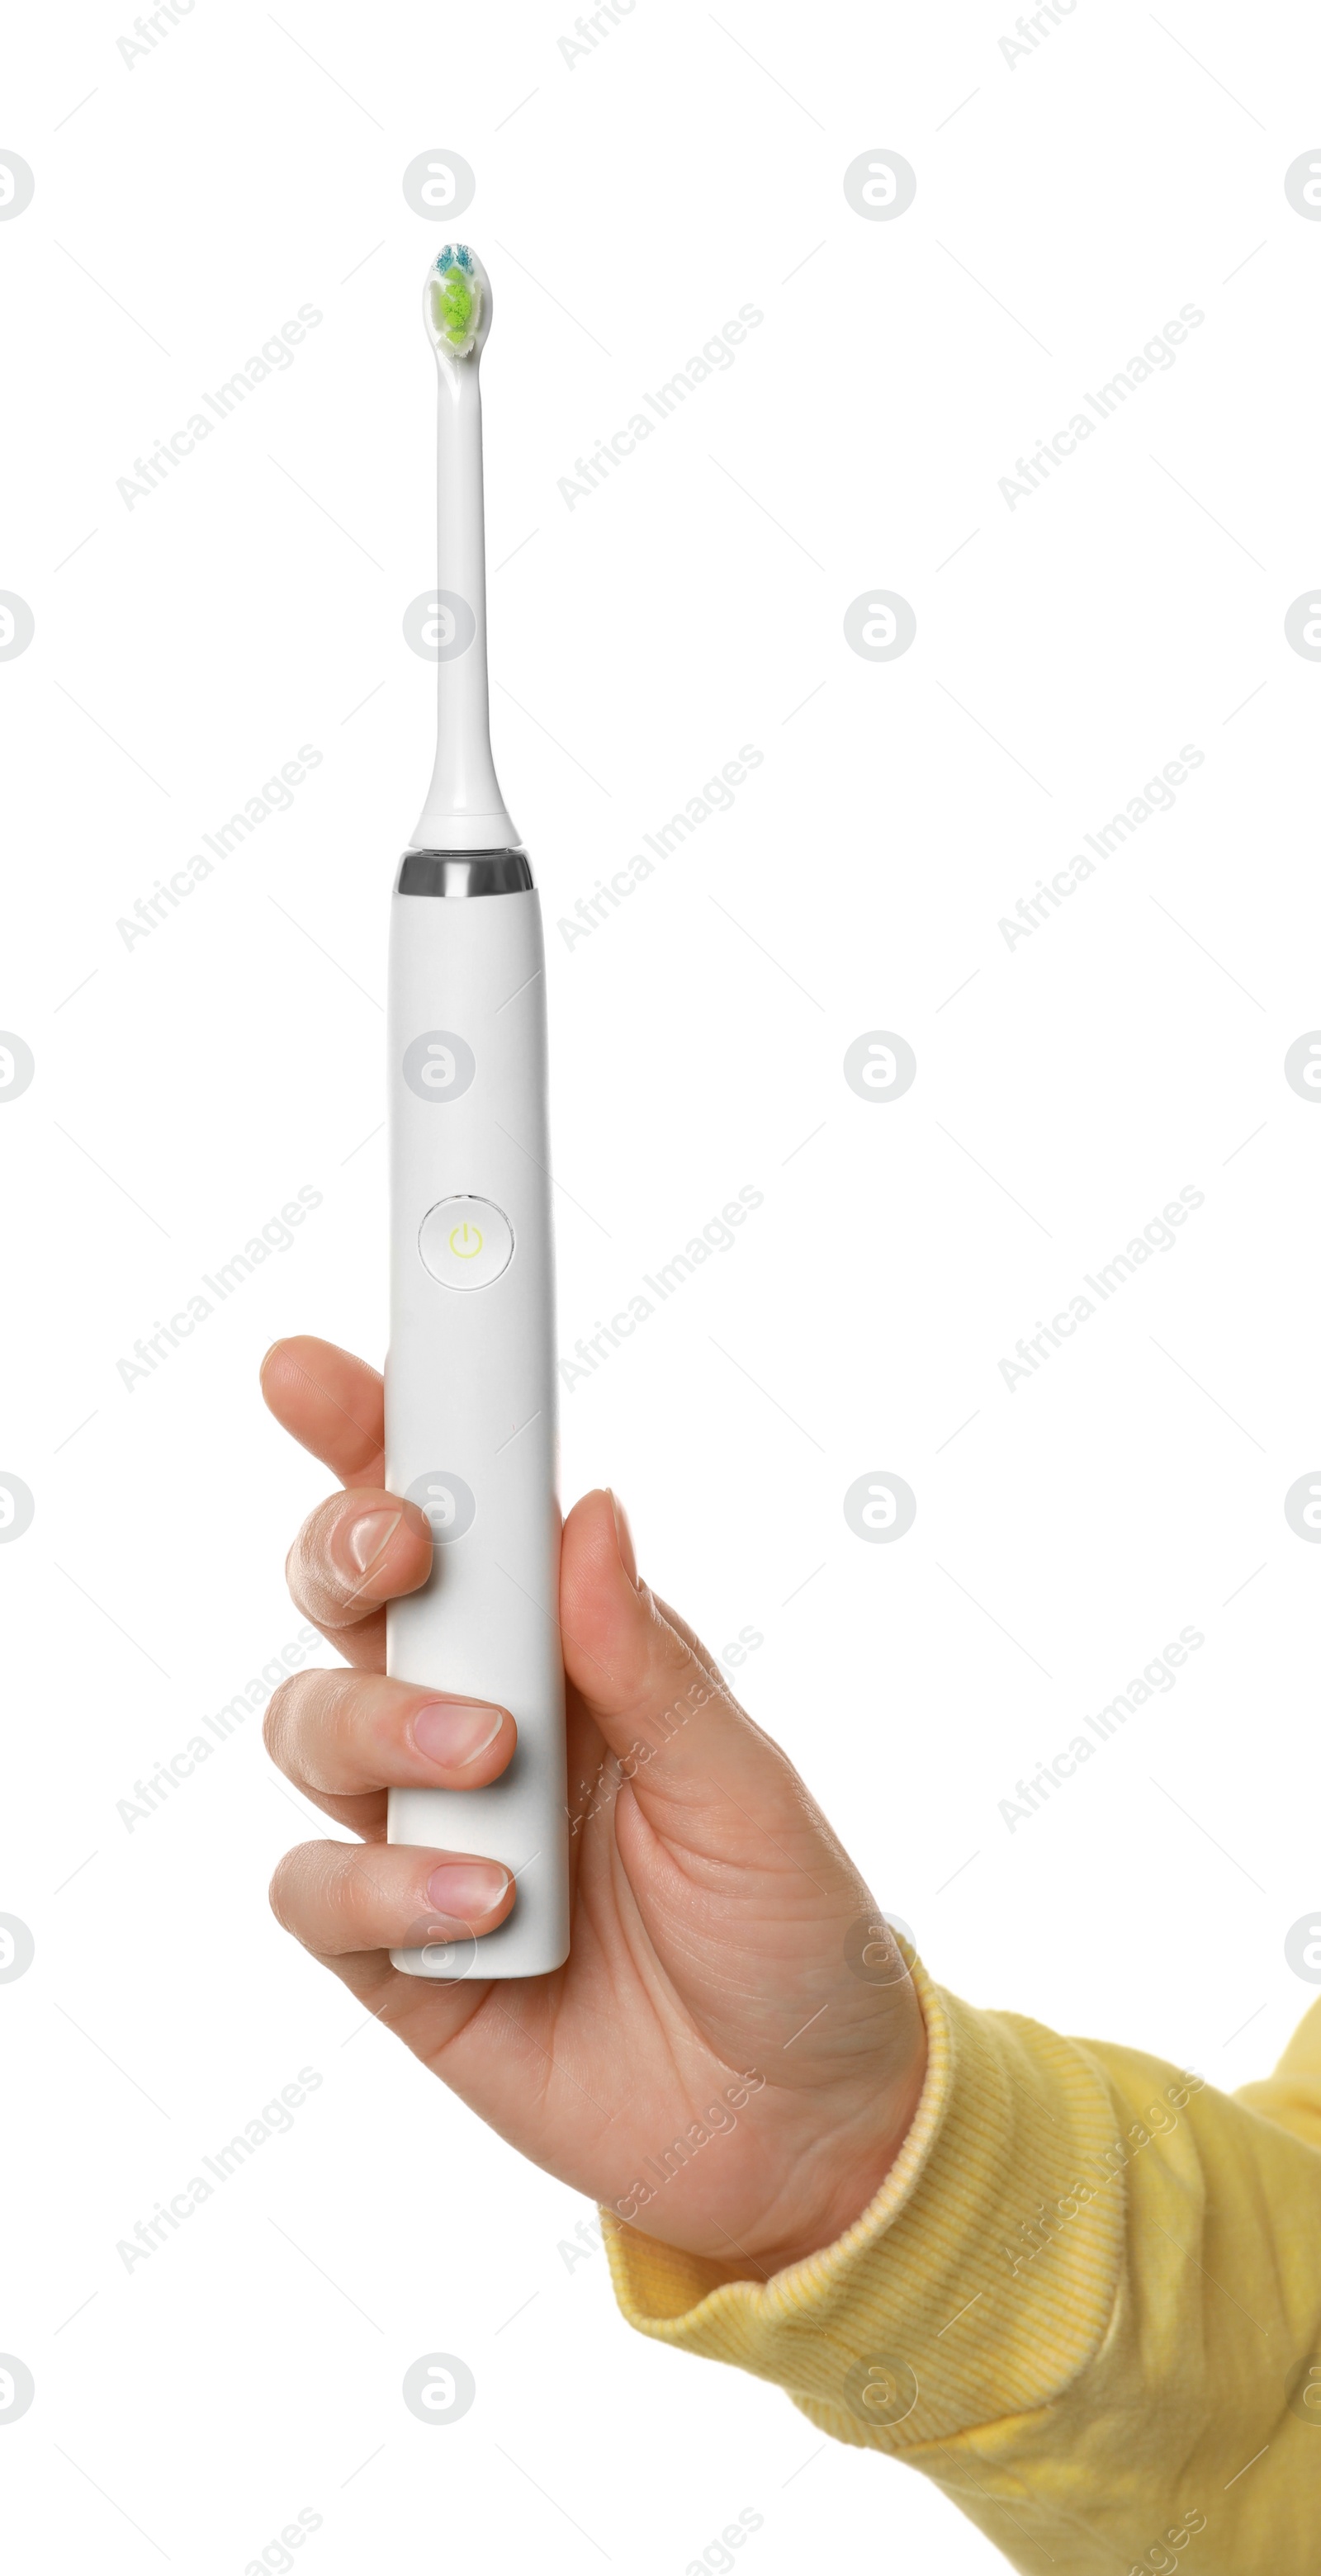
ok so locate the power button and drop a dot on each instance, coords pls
(465, 1242)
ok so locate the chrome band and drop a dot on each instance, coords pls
(464, 872)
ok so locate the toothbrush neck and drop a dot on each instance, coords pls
(464, 809)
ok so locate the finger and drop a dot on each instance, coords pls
(342, 1897)
(354, 1553)
(331, 1402)
(345, 1738)
(697, 1765)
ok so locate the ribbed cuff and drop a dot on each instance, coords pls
(976, 2285)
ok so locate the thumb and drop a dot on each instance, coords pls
(704, 1775)
(762, 1922)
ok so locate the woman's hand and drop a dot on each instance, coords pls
(733, 2052)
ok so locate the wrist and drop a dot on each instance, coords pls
(860, 2156)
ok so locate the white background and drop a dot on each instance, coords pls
(1066, 208)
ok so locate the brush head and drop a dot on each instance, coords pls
(456, 303)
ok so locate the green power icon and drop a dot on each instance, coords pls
(466, 1242)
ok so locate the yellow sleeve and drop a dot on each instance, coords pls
(1085, 2302)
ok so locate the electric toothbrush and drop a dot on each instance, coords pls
(470, 1380)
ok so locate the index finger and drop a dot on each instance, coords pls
(332, 1403)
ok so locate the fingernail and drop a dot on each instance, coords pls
(467, 1888)
(364, 1539)
(624, 1538)
(455, 1731)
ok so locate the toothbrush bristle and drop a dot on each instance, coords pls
(456, 299)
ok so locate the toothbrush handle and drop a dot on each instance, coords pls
(470, 1379)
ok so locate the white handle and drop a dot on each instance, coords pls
(470, 1393)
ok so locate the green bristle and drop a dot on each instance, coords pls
(452, 308)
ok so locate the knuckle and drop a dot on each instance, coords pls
(314, 1896)
(276, 1719)
(280, 1723)
(317, 1729)
(280, 1893)
(326, 1717)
